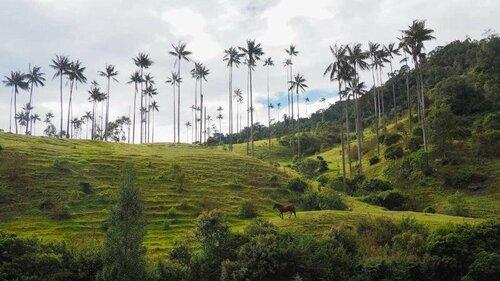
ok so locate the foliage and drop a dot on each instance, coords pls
(429, 210)
(123, 249)
(391, 199)
(442, 125)
(86, 188)
(322, 180)
(376, 185)
(488, 143)
(394, 152)
(458, 204)
(324, 200)
(459, 94)
(492, 121)
(178, 176)
(459, 178)
(391, 139)
(374, 160)
(415, 143)
(247, 210)
(297, 185)
(61, 165)
(61, 212)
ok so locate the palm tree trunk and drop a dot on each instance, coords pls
(179, 103)
(297, 126)
(375, 104)
(10, 110)
(342, 136)
(133, 123)
(153, 128)
(175, 123)
(348, 135)
(248, 108)
(424, 127)
(61, 102)
(268, 109)
(142, 105)
(408, 100)
(358, 134)
(251, 115)
(107, 112)
(93, 121)
(69, 107)
(394, 94)
(30, 122)
(15, 105)
(201, 111)
(230, 108)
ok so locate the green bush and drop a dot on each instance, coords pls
(430, 210)
(393, 152)
(417, 132)
(171, 213)
(374, 160)
(488, 143)
(330, 200)
(322, 180)
(463, 178)
(391, 200)
(61, 165)
(415, 143)
(247, 210)
(376, 185)
(61, 212)
(492, 121)
(274, 180)
(86, 188)
(458, 204)
(309, 200)
(297, 185)
(391, 139)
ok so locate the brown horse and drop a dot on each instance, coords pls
(284, 209)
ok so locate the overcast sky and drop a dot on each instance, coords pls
(100, 32)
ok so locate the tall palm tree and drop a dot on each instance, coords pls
(253, 52)
(233, 58)
(195, 75)
(110, 73)
(392, 51)
(188, 124)
(18, 81)
(87, 117)
(95, 97)
(358, 89)
(357, 59)
(238, 96)
(143, 62)
(298, 83)
(148, 93)
(380, 60)
(35, 78)
(268, 62)
(135, 78)
(414, 38)
(287, 64)
(203, 72)
(34, 118)
(61, 64)
(337, 72)
(278, 105)
(153, 107)
(373, 49)
(174, 80)
(180, 53)
(75, 75)
(307, 101)
(220, 117)
(291, 51)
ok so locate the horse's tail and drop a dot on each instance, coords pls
(293, 210)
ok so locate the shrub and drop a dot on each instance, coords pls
(166, 224)
(488, 143)
(430, 210)
(273, 180)
(374, 160)
(61, 165)
(393, 152)
(392, 139)
(381, 138)
(181, 253)
(178, 176)
(391, 200)
(415, 143)
(307, 167)
(62, 212)
(247, 210)
(462, 178)
(376, 185)
(14, 167)
(492, 121)
(330, 200)
(458, 204)
(309, 200)
(297, 185)
(171, 213)
(379, 231)
(323, 165)
(417, 132)
(322, 180)
(86, 188)
(6, 194)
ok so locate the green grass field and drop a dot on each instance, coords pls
(40, 176)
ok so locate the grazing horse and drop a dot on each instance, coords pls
(284, 209)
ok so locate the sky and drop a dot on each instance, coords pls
(101, 32)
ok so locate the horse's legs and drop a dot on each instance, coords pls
(281, 215)
(290, 214)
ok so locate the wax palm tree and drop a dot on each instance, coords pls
(238, 96)
(392, 51)
(154, 107)
(414, 38)
(143, 62)
(61, 64)
(87, 117)
(307, 101)
(298, 83)
(95, 97)
(203, 72)
(75, 75)
(148, 82)
(233, 58)
(35, 78)
(220, 117)
(380, 61)
(278, 105)
(174, 80)
(357, 89)
(291, 51)
(18, 81)
(180, 53)
(34, 118)
(337, 71)
(135, 78)
(373, 49)
(268, 62)
(287, 64)
(188, 124)
(195, 75)
(253, 52)
(110, 73)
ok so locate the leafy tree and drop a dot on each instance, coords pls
(123, 249)
(61, 64)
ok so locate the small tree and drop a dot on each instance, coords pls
(442, 123)
(123, 249)
(458, 203)
(178, 176)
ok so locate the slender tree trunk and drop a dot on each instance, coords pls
(201, 111)
(248, 108)
(358, 134)
(142, 106)
(268, 109)
(348, 135)
(15, 105)
(408, 100)
(133, 123)
(424, 127)
(251, 115)
(179, 103)
(195, 121)
(10, 110)
(69, 107)
(394, 94)
(342, 142)
(30, 122)
(107, 112)
(61, 102)
(297, 126)
(175, 123)
(153, 128)
(93, 121)
(375, 104)
(230, 108)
